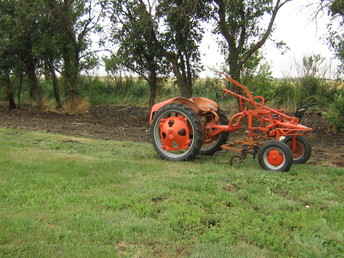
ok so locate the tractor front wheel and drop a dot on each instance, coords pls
(275, 156)
(176, 132)
(301, 151)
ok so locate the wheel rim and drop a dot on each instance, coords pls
(274, 158)
(299, 152)
(173, 133)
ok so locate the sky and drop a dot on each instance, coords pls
(296, 26)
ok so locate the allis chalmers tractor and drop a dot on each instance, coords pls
(182, 128)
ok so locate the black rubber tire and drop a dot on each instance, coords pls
(307, 149)
(195, 124)
(221, 139)
(282, 147)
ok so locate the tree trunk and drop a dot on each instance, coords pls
(185, 86)
(56, 87)
(153, 86)
(185, 89)
(235, 72)
(56, 90)
(20, 88)
(71, 75)
(35, 89)
(10, 93)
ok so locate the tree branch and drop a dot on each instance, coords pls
(267, 33)
(224, 28)
(243, 34)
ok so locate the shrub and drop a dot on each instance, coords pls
(335, 115)
(286, 93)
(262, 83)
(316, 90)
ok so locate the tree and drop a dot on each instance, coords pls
(25, 46)
(47, 35)
(75, 20)
(139, 51)
(335, 9)
(160, 37)
(312, 65)
(25, 42)
(20, 30)
(181, 37)
(239, 22)
(7, 52)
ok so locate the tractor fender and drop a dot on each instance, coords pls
(198, 105)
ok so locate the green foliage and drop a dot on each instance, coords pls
(336, 112)
(183, 32)
(93, 198)
(75, 21)
(317, 91)
(259, 80)
(336, 32)
(306, 91)
(134, 32)
(43, 37)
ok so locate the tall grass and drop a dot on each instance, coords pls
(288, 92)
(126, 90)
(129, 90)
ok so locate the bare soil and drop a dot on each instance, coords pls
(129, 123)
(102, 121)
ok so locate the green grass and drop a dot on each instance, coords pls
(75, 197)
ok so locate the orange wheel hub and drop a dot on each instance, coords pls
(175, 133)
(275, 157)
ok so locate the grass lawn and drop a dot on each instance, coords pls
(64, 196)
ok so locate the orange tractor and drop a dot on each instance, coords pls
(182, 128)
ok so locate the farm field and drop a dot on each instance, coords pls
(73, 196)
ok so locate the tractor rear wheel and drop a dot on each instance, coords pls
(302, 151)
(275, 156)
(176, 132)
(215, 144)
